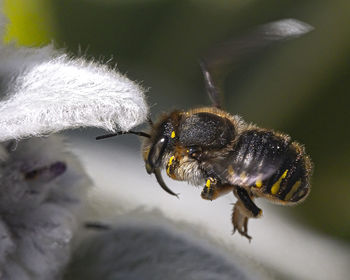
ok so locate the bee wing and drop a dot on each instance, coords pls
(234, 51)
(254, 174)
(210, 87)
(256, 156)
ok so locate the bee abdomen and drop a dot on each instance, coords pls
(256, 155)
(266, 162)
(290, 183)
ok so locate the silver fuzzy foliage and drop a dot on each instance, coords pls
(46, 91)
(42, 190)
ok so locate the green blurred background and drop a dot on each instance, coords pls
(299, 87)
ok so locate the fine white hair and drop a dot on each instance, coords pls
(47, 91)
(44, 90)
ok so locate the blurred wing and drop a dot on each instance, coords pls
(236, 50)
(256, 157)
(211, 89)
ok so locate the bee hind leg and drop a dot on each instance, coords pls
(243, 209)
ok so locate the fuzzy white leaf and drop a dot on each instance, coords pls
(47, 91)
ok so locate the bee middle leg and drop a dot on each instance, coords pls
(243, 209)
(214, 189)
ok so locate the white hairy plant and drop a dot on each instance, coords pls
(44, 90)
(42, 186)
(42, 193)
(47, 91)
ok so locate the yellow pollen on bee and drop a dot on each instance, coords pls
(169, 164)
(258, 183)
(292, 191)
(172, 134)
(208, 183)
(276, 186)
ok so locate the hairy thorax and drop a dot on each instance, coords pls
(183, 168)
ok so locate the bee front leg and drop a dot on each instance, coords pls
(214, 189)
(243, 210)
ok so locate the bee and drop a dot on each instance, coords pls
(210, 147)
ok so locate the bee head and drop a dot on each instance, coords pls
(157, 144)
(157, 147)
(160, 142)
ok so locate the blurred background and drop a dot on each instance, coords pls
(300, 87)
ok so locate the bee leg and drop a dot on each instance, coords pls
(213, 189)
(240, 220)
(242, 211)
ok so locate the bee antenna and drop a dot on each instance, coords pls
(138, 133)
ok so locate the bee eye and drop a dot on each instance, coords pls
(156, 153)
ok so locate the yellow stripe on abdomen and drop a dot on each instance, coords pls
(276, 186)
(293, 190)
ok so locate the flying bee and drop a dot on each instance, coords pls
(210, 147)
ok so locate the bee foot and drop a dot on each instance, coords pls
(240, 222)
(242, 231)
